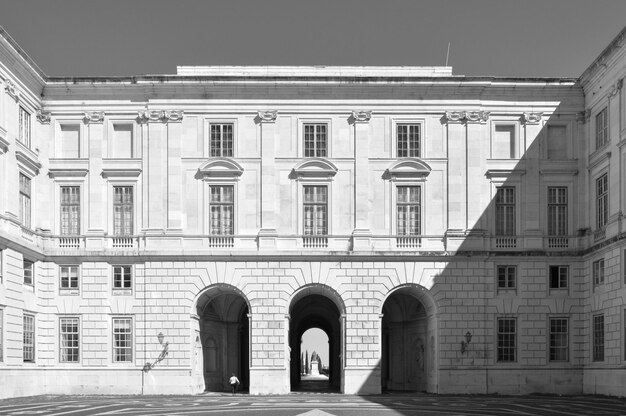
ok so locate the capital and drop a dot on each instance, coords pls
(172, 116)
(361, 116)
(267, 116)
(93, 116)
(43, 117)
(616, 88)
(476, 116)
(532, 118)
(11, 89)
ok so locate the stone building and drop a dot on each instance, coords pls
(450, 234)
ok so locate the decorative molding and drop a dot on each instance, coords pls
(407, 169)
(467, 116)
(532, 118)
(120, 173)
(28, 161)
(93, 116)
(596, 159)
(317, 168)
(555, 172)
(67, 173)
(616, 88)
(220, 167)
(43, 116)
(361, 116)
(11, 89)
(504, 173)
(4, 143)
(267, 116)
(163, 116)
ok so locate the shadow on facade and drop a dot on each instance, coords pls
(432, 352)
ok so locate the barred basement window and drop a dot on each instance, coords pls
(29, 269)
(408, 206)
(122, 277)
(25, 195)
(28, 348)
(408, 140)
(557, 211)
(69, 340)
(315, 210)
(559, 343)
(507, 277)
(315, 140)
(505, 210)
(602, 131)
(598, 272)
(122, 340)
(123, 210)
(70, 210)
(69, 277)
(221, 141)
(506, 348)
(559, 276)
(221, 208)
(602, 201)
(598, 338)
(24, 127)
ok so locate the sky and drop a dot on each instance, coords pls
(515, 38)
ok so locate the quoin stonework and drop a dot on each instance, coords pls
(450, 234)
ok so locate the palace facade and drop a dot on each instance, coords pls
(450, 234)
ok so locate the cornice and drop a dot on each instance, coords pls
(504, 173)
(67, 173)
(28, 159)
(120, 172)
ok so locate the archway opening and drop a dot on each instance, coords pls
(314, 359)
(224, 335)
(315, 311)
(405, 339)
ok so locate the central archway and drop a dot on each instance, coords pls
(316, 306)
(223, 337)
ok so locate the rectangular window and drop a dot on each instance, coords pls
(221, 142)
(507, 277)
(598, 338)
(408, 136)
(598, 272)
(559, 343)
(28, 349)
(122, 277)
(504, 142)
(506, 340)
(408, 206)
(122, 146)
(70, 141)
(602, 130)
(559, 276)
(505, 210)
(70, 210)
(69, 277)
(315, 210)
(122, 340)
(28, 272)
(123, 210)
(69, 341)
(602, 201)
(25, 194)
(221, 207)
(24, 133)
(315, 140)
(557, 211)
(557, 142)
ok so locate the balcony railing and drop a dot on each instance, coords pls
(412, 241)
(506, 241)
(221, 241)
(70, 241)
(558, 242)
(599, 234)
(314, 241)
(123, 242)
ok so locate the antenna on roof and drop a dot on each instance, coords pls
(448, 54)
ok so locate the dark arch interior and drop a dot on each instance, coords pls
(224, 334)
(404, 338)
(315, 311)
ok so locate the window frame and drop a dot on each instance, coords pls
(133, 209)
(32, 272)
(58, 137)
(131, 340)
(69, 290)
(552, 348)
(515, 146)
(25, 212)
(130, 277)
(398, 204)
(316, 150)
(32, 330)
(515, 211)
(602, 129)
(409, 149)
(498, 358)
(73, 204)
(598, 272)
(25, 126)
(77, 341)
(304, 204)
(392, 146)
(221, 204)
(559, 286)
(556, 205)
(301, 137)
(598, 338)
(135, 147)
(507, 268)
(602, 201)
(223, 151)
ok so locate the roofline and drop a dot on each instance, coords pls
(22, 54)
(615, 44)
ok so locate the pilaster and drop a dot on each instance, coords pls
(267, 124)
(361, 235)
(97, 215)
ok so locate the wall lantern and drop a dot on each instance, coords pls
(465, 343)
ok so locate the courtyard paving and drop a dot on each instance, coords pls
(313, 404)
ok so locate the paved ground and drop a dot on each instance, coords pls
(311, 404)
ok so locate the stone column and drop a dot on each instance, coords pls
(269, 188)
(361, 235)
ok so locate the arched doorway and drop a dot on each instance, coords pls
(313, 308)
(407, 341)
(224, 336)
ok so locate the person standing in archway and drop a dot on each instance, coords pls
(234, 382)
